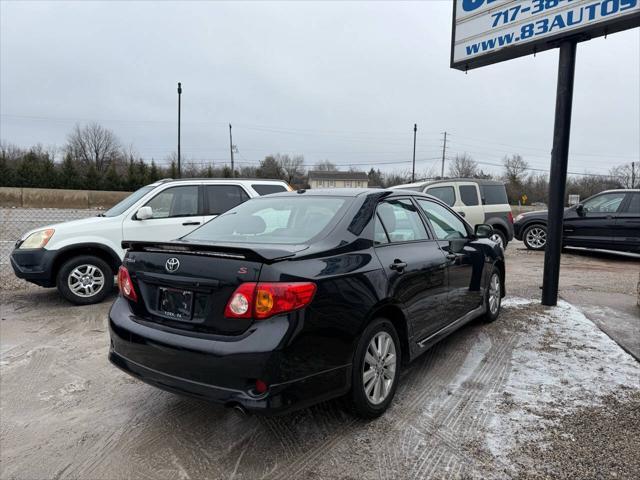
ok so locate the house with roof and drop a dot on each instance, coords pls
(337, 179)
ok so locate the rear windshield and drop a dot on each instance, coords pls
(494, 194)
(273, 220)
(266, 189)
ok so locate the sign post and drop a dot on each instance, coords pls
(558, 173)
(490, 31)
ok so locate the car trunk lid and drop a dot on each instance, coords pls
(186, 286)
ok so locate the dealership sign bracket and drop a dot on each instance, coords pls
(491, 31)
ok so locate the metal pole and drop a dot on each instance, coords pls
(558, 173)
(231, 150)
(633, 174)
(413, 173)
(179, 107)
(444, 149)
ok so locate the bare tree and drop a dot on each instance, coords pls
(624, 175)
(515, 169)
(325, 166)
(93, 145)
(463, 166)
(397, 177)
(292, 167)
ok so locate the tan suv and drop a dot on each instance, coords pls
(477, 200)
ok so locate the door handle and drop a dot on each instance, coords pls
(462, 214)
(191, 223)
(398, 265)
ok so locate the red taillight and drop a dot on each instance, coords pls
(261, 386)
(510, 217)
(265, 299)
(126, 285)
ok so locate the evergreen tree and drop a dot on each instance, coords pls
(112, 180)
(154, 173)
(133, 182)
(92, 178)
(7, 172)
(173, 170)
(28, 171)
(69, 173)
(143, 173)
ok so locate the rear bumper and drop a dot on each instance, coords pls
(223, 371)
(34, 265)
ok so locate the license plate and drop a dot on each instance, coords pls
(176, 303)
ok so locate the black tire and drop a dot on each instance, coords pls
(83, 295)
(360, 402)
(491, 315)
(532, 239)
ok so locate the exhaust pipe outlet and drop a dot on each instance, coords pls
(239, 409)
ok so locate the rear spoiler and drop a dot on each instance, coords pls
(258, 253)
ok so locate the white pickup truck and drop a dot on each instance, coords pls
(81, 257)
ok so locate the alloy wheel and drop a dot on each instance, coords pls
(494, 294)
(537, 237)
(379, 368)
(85, 280)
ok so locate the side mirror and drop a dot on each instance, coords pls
(483, 230)
(580, 210)
(144, 213)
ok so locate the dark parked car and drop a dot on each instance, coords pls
(609, 220)
(296, 298)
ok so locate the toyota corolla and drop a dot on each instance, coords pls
(296, 298)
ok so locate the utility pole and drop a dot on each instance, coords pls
(179, 107)
(233, 174)
(558, 173)
(413, 173)
(633, 174)
(444, 149)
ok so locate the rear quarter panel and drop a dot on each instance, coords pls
(323, 335)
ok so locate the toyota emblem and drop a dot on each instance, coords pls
(172, 264)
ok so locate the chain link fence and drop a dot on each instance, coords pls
(14, 222)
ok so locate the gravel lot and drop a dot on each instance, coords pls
(541, 393)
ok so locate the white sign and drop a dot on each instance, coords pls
(489, 31)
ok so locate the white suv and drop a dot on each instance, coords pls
(81, 257)
(477, 200)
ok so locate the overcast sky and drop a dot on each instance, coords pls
(338, 81)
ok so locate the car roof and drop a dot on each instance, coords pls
(424, 183)
(351, 192)
(626, 190)
(264, 181)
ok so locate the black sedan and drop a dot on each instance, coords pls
(609, 220)
(295, 298)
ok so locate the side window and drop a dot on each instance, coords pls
(446, 194)
(266, 189)
(469, 195)
(379, 235)
(221, 198)
(634, 205)
(494, 194)
(445, 223)
(175, 202)
(605, 203)
(402, 221)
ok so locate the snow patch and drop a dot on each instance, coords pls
(561, 363)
